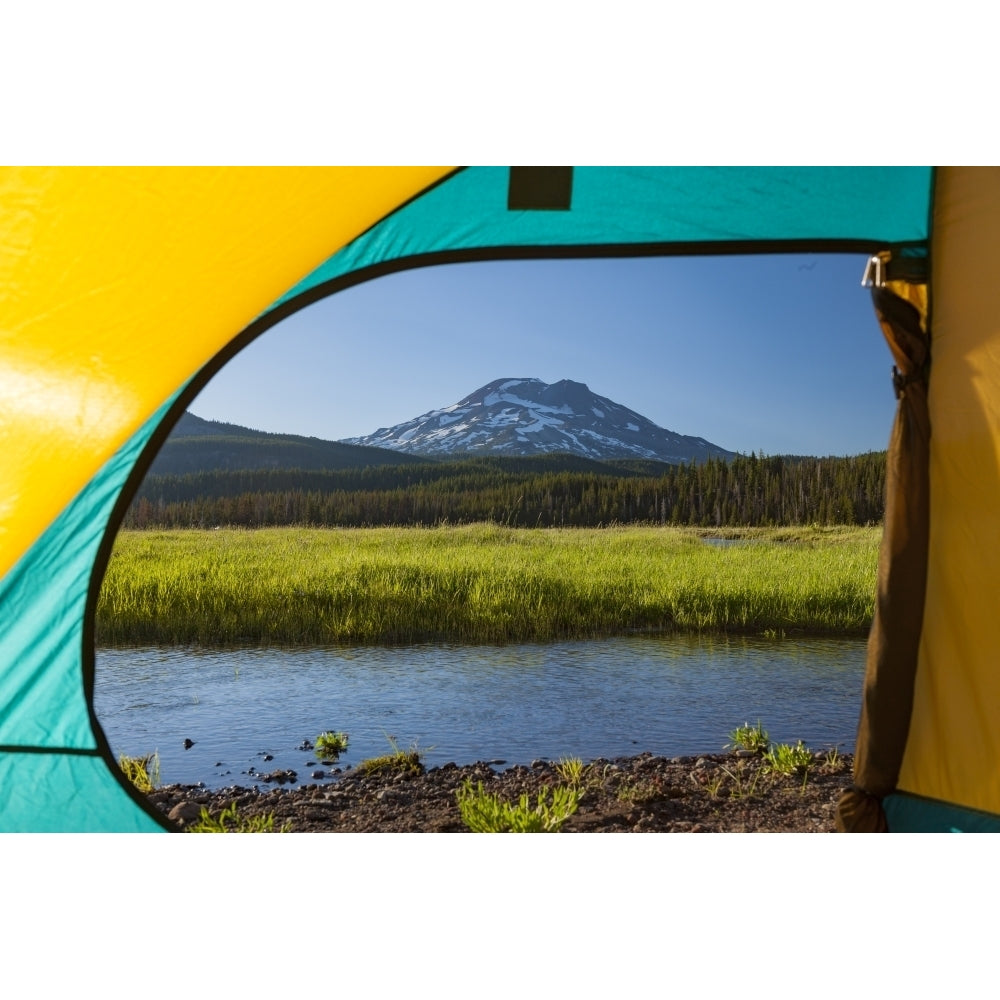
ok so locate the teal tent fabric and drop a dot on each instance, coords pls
(913, 814)
(665, 209)
(65, 793)
(53, 774)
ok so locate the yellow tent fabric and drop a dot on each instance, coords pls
(953, 748)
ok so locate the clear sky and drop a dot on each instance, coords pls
(780, 354)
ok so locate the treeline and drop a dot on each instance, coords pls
(750, 490)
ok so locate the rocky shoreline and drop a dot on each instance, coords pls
(715, 793)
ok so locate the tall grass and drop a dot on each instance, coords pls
(477, 584)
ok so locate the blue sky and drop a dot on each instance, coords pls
(780, 354)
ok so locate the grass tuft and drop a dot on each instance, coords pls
(330, 744)
(747, 737)
(486, 813)
(643, 790)
(574, 773)
(742, 786)
(783, 758)
(398, 762)
(143, 772)
(230, 821)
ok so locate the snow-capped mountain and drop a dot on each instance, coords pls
(526, 416)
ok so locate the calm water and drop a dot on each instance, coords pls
(609, 698)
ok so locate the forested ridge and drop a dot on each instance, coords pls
(749, 490)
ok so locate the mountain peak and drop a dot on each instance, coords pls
(526, 416)
(497, 388)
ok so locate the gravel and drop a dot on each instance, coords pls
(722, 793)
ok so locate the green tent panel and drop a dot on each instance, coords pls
(68, 793)
(653, 210)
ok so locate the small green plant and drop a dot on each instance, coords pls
(331, 744)
(833, 758)
(143, 772)
(574, 773)
(399, 761)
(785, 759)
(485, 813)
(571, 770)
(742, 786)
(714, 785)
(230, 821)
(643, 790)
(747, 737)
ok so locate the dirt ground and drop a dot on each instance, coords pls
(719, 793)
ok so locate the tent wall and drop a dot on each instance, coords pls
(953, 749)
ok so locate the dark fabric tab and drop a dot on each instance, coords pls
(540, 188)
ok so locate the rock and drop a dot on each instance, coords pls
(279, 777)
(185, 813)
(188, 744)
(317, 774)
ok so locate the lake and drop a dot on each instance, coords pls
(671, 695)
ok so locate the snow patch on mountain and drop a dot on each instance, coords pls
(526, 416)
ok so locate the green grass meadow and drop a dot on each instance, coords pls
(478, 584)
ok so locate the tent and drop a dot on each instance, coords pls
(123, 290)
